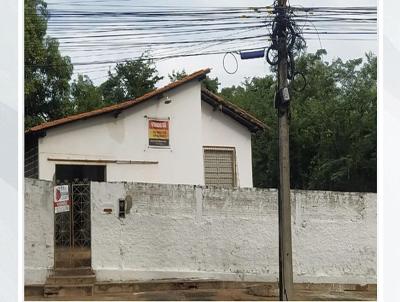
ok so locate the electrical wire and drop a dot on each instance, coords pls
(236, 63)
(90, 31)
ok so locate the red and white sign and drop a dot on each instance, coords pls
(61, 199)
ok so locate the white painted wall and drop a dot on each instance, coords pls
(192, 125)
(39, 230)
(218, 129)
(126, 138)
(182, 231)
(178, 231)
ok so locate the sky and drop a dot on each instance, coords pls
(246, 69)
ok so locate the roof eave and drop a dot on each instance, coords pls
(200, 74)
(246, 119)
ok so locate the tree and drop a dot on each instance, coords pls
(47, 73)
(86, 96)
(131, 79)
(210, 84)
(346, 155)
(333, 125)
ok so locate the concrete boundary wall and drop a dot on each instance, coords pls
(38, 230)
(183, 231)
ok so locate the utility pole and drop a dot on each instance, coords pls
(285, 227)
(282, 103)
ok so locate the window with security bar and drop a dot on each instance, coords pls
(220, 166)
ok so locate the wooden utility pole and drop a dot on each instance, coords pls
(282, 101)
(285, 227)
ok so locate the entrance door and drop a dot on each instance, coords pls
(72, 227)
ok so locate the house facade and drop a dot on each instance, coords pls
(146, 218)
(178, 134)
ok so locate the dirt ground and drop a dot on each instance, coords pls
(220, 295)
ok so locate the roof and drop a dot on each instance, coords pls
(120, 106)
(234, 111)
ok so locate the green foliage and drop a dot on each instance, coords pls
(177, 75)
(333, 125)
(131, 79)
(86, 95)
(211, 84)
(47, 73)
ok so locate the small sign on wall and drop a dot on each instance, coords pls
(61, 199)
(158, 132)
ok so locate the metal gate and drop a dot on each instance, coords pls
(72, 229)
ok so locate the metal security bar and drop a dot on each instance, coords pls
(81, 214)
(31, 160)
(72, 229)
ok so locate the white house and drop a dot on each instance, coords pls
(178, 134)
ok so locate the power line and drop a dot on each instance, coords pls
(100, 29)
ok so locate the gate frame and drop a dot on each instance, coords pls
(71, 247)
